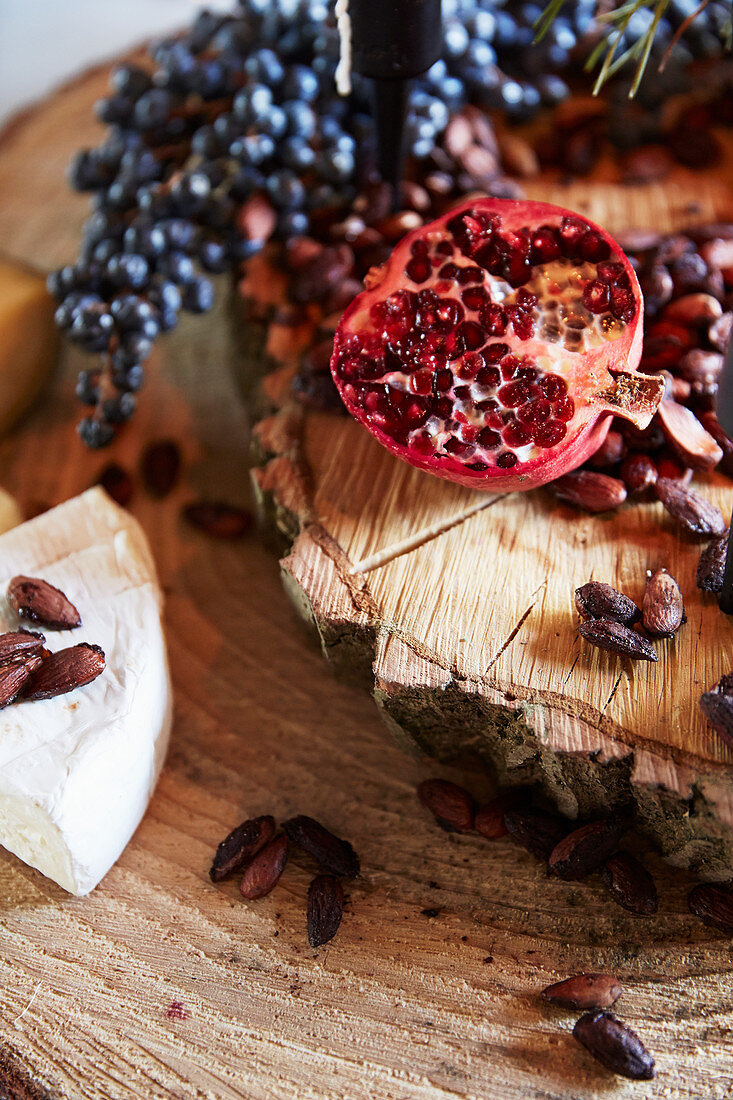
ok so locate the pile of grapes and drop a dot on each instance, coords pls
(243, 104)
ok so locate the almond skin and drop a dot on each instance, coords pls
(586, 848)
(263, 872)
(242, 844)
(617, 638)
(691, 510)
(65, 670)
(325, 909)
(598, 600)
(13, 678)
(614, 1045)
(333, 853)
(584, 991)
(451, 806)
(19, 644)
(37, 600)
(663, 610)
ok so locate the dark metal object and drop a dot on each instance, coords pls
(392, 42)
(724, 410)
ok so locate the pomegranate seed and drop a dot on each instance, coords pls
(549, 433)
(518, 271)
(526, 299)
(419, 247)
(553, 386)
(449, 313)
(422, 443)
(545, 245)
(622, 304)
(494, 320)
(523, 322)
(449, 271)
(489, 438)
(514, 435)
(488, 377)
(415, 414)
(478, 466)
(444, 248)
(596, 296)
(443, 408)
(564, 409)
(527, 371)
(516, 393)
(475, 297)
(495, 421)
(470, 335)
(593, 248)
(456, 447)
(470, 365)
(462, 393)
(494, 353)
(509, 365)
(421, 382)
(611, 273)
(534, 412)
(443, 380)
(468, 275)
(418, 269)
(506, 460)
(572, 231)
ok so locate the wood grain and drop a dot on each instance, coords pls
(160, 985)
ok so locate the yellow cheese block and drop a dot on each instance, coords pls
(9, 512)
(29, 340)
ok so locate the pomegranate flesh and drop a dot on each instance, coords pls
(496, 344)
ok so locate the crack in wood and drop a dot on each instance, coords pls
(614, 689)
(572, 668)
(508, 641)
(420, 538)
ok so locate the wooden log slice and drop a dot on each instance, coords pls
(456, 607)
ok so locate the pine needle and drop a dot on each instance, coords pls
(618, 21)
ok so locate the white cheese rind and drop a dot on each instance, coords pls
(77, 771)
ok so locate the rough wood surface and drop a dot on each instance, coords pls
(160, 985)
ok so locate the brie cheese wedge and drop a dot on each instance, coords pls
(77, 771)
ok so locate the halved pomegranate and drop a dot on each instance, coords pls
(496, 344)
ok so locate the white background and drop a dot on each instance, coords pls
(44, 42)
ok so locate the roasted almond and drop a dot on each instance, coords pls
(256, 219)
(586, 848)
(630, 885)
(452, 806)
(719, 332)
(589, 490)
(17, 645)
(116, 483)
(160, 467)
(598, 600)
(614, 1045)
(218, 520)
(717, 706)
(489, 821)
(711, 424)
(663, 610)
(584, 991)
(610, 452)
(333, 853)
(535, 830)
(689, 508)
(263, 872)
(617, 638)
(687, 436)
(65, 670)
(325, 909)
(37, 600)
(241, 845)
(13, 678)
(711, 567)
(712, 902)
(694, 309)
(638, 473)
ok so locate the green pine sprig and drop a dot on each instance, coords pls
(617, 21)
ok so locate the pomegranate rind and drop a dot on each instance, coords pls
(588, 373)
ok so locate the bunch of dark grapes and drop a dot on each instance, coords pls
(245, 104)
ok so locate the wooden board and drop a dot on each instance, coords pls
(161, 986)
(457, 606)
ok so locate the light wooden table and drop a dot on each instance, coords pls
(161, 985)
